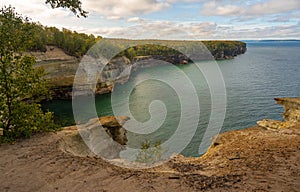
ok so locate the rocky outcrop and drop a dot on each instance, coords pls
(114, 128)
(218, 54)
(291, 114)
(117, 70)
(155, 60)
(253, 159)
(291, 108)
(78, 138)
(107, 140)
(274, 124)
(230, 53)
(61, 68)
(90, 81)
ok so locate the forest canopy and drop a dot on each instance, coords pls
(72, 42)
(77, 44)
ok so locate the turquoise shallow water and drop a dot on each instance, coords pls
(267, 70)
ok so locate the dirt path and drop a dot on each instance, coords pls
(248, 160)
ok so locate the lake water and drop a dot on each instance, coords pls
(267, 70)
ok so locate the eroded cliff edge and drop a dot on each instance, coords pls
(291, 114)
(256, 158)
(61, 68)
(252, 159)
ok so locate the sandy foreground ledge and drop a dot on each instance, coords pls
(262, 158)
(253, 159)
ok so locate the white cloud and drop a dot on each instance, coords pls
(122, 19)
(136, 20)
(222, 8)
(114, 17)
(124, 8)
(283, 18)
(274, 6)
(261, 32)
(37, 10)
(187, 1)
(147, 29)
(195, 31)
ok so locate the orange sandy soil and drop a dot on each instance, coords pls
(252, 159)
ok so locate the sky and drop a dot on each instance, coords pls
(173, 19)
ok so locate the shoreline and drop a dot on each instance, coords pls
(61, 67)
(251, 159)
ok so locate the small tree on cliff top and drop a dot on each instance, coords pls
(21, 85)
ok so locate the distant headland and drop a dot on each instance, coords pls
(61, 65)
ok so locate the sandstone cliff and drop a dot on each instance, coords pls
(61, 68)
(252, 159)
(291, 114)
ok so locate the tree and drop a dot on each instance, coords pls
(150, 153)
(73, 5)
(21, 84)
(130, 53)
(38, 37)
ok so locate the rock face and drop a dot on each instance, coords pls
(117, 70)
(106, 141)
(230, 53)
(113, 127)
(291, 114)
(61, 68)
(92, 77)
(274, 124)
(291, 109)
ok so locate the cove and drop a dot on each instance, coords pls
(266, 71)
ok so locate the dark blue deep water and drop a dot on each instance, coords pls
(267, 70)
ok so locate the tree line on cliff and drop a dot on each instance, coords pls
(168, 48)
(77, 44)
(71, 42)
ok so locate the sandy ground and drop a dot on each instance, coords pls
(252, 159)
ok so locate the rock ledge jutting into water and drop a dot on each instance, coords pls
(252, 159)
(61, 68)
(291, 114)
